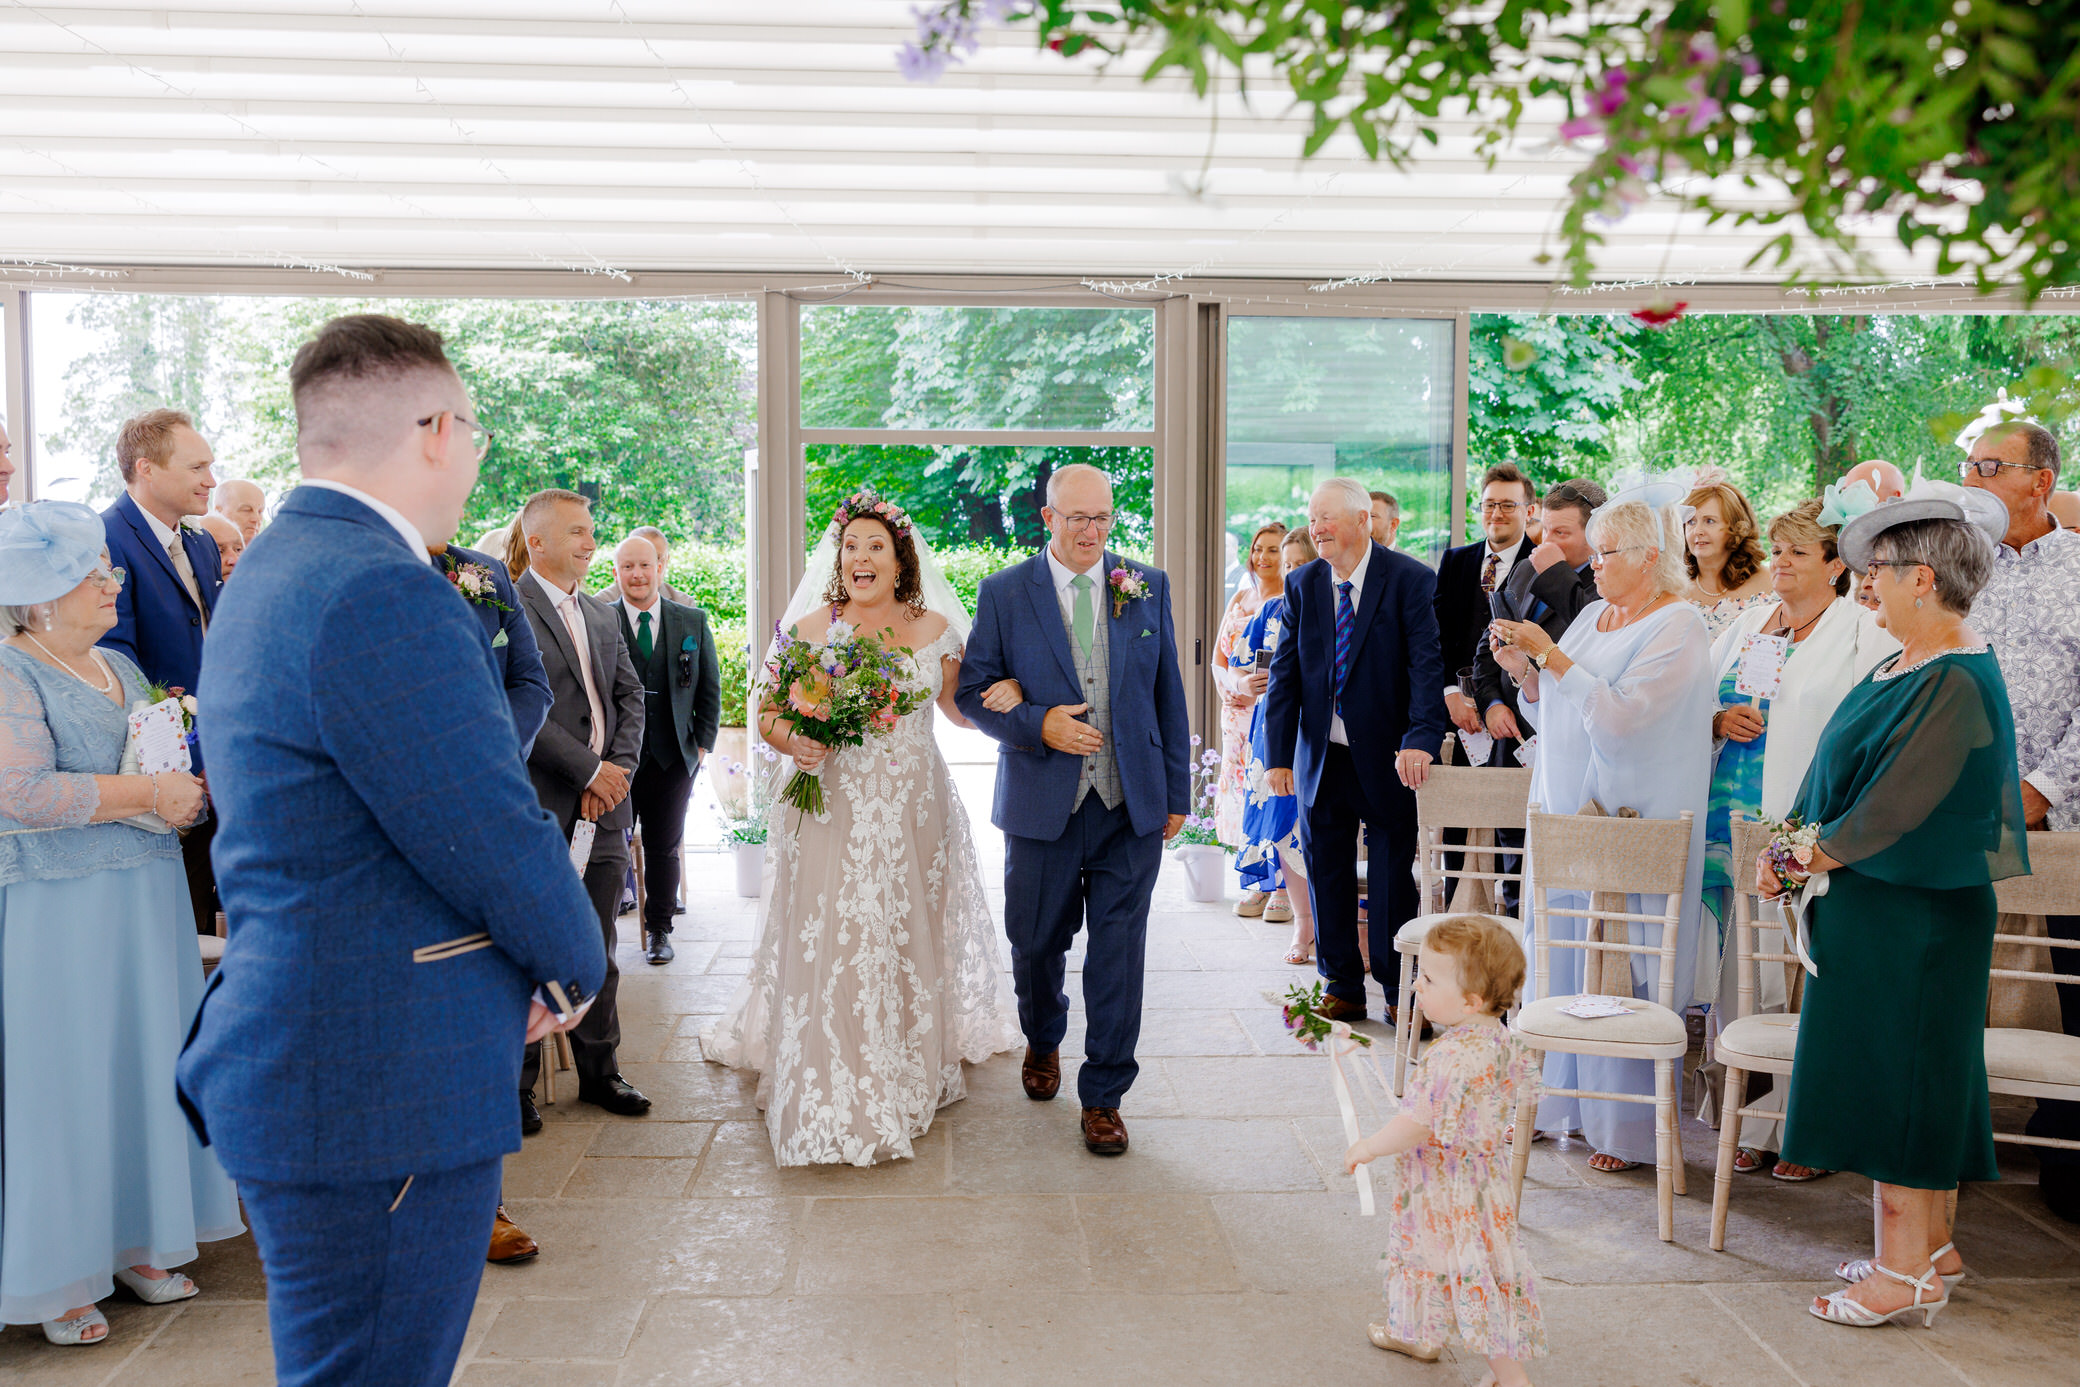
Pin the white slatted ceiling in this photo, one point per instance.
(656, 134)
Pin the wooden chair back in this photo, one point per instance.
(1593, 854)
(1750, 837)
(1467, 798)
(2051, 888)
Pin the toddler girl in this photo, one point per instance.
(1455, 1262)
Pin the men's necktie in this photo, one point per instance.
(178, 552)
(574, 624)
(1086, 623)
(1346, 619)
(1488, 572)
(643, 636)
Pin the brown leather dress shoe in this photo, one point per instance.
(1337, 1009)
(1041, 1074)
(1103, 1132)
(509, 1243)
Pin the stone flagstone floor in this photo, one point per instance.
(1225, 1247)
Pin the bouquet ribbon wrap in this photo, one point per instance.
(1342, 1045)
(1796, 906)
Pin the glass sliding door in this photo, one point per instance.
(1309, 398)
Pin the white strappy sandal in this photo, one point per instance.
(72, 1333)
(167, 1289)
(1838, 1308)
(1862, 1268)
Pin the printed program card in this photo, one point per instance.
(160, 740)
(1592, 1007)
(582, 834)
(1759, 671)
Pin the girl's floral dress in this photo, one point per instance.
(1455, 1261)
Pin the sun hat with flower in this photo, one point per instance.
(46, 548)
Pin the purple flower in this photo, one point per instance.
(919, 65)
(1196, 740)
(1609, 99)
(1580, 128)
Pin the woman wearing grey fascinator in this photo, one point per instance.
(99, 973)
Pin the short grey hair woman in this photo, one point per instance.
(1621, 704)
(99, 974)
(1918, 802)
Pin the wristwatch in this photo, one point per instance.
(1538, 661)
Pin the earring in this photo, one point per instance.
(47, 621)
(1917, 604)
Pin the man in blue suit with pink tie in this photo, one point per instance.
(390, 879)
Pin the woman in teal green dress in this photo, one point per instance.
(1917, 799)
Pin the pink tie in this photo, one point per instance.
(568, 609)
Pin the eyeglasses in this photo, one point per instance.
(1501, 507)
(1870, 570)
(1990, 467)
(106, 578)
(1101, 523)
(1599, 557)
(479, 436)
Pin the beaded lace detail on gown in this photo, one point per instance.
(878, 969)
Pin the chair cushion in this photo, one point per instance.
(1767, 1039)
(1409, 938)
(2032, 1057)
(1649, 1025)
(212, 948)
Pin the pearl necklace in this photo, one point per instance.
(108, 674)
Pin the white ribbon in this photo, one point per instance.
(1341, 1043)
(1792, 905)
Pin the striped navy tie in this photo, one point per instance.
(1345, 620)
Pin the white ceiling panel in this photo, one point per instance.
(641, 135)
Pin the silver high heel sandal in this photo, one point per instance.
(1861, 1268)
(1839, 1309)
(167, 1289)
(72, 1332)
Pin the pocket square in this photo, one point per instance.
(1146, 633)
(686, 644)
(500, 639)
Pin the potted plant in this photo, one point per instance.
(1198, 845)
(743, 817)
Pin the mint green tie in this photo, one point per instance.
(1086, 625)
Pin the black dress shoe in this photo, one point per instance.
(530, 1115)
(657, 945)
(614, 1093)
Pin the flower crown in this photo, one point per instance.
(868, 503)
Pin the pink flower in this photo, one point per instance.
(1580, 128)
(1609, 99)
(881, 508)
(1804, 855)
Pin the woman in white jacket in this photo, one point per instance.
(1763, 747)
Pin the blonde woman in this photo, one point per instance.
(1264, 581)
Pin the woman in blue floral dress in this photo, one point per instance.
(1270, 859)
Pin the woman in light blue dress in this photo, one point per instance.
(100, 1178)
(1270, 859)
(1623, 709)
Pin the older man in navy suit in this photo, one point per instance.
(174, 573)
(1093, 776)
(389, 876)
(1353, 717)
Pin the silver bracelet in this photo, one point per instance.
(155, 792)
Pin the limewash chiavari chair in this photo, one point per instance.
(2038, 1064)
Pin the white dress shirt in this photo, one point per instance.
(573, 615)
(177, 552)
(406, 530)
(1066, 595)
(654, 611)
(1337, 733)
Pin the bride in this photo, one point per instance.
(877, 970)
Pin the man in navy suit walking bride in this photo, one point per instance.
(1093, 776)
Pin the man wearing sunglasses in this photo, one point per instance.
(2029, 612)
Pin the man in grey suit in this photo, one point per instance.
(675, 656)
(583, 761)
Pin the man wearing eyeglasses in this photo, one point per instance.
(1468, 576)
(2029, 612)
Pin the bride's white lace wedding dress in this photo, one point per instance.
(877, 970)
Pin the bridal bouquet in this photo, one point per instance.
(841, 692)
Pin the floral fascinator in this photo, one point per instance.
(46, 548)
(863, 503)
(1841, 504)
(1927, 499)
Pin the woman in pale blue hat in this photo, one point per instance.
(100, 1179)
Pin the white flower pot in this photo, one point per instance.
(751, 865)
(1205, 868)
(732, 747)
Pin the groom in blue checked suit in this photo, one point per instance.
(1093, 776)
(390, 879)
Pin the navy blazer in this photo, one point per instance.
(1393, 690)
(513, 647)
(394, 890)
(157, 626)
(1019, 634)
